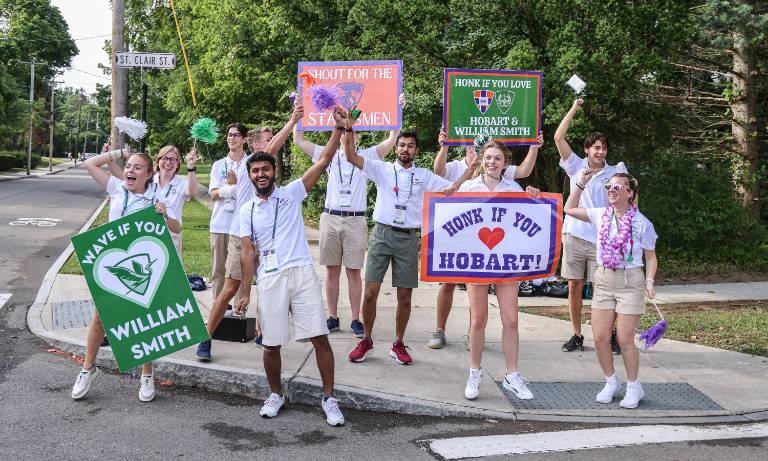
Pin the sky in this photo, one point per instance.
(87, 18)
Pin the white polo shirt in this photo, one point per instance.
(220, 218)
(245, 192)
(593, 196)
(343, 176)
(124, 202)
(643, 235)
(456, 168)
(477, 185)
(290, 242)
(172, 194)
(396, 185)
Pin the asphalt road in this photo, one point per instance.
(38, 420)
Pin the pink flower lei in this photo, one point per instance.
(612, 250)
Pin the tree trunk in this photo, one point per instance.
(744, 123)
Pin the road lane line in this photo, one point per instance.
(588, 439)
(4, 297)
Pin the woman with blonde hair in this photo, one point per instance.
(132, 192)
(624, 237)
(493, 159)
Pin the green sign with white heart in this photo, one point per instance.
(139, 288)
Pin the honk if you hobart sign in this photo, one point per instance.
(490, 237)
(139, 288)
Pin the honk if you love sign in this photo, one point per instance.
(481, 237)
(139, 288)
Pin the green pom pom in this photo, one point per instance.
(204, 129)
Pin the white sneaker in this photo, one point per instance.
(517, 384)
(333, 414)
(272, 405)
(632, 397)
(83, 382)
(147, 389)
(473, 383)
(612, 385)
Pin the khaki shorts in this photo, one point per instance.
(234, 247)
(578, 256)
(219, 244)
(343, 240)
(622, 290)
(297, 291)
(401, 248)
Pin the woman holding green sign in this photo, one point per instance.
(133, 193)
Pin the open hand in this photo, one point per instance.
(160, 207)
(533, 191)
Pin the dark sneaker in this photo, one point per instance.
(104, 342)
(399, 353)
(461, 286)
(576, 342)
(204, 351)
(555, 289)
(491, 289)
(615, 348)
(525, 289)
(362, 350)
(333, 324)
(357, 328)
(258, 340)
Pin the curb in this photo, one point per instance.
(302, 390)
(16, 177)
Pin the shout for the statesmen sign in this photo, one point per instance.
(502, 104)
(139, 288)
(482, 237)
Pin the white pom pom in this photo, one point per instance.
(136, 129)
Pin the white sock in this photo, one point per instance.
(635, 383)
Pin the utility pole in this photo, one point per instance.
(119, 74)
(87, 127)
(51, 126)
(31, 113)
(77, 132)
(97, 130)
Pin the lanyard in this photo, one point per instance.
(235, 166)
(274, 224)
(351, 173)
(397, 189)
(126, 205)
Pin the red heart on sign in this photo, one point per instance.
(491, 238)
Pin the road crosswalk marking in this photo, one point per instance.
(4, 297)
(588, 439)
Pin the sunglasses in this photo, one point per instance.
(614, 187)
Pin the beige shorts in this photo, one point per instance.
(343, 240)
(578, 257)
(622, 290)
(234, 247)
(297, 291)
(219, 243)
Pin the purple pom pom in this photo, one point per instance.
(652, 335)
(322, 98)
(292, 97)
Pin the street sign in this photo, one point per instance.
(148, 60)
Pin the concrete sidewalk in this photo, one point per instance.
(37, 172)
(683, 382)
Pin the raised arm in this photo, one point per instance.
(525, 168)
(278, 140)
(192, 184)
(562, 145)
(349, 144)
(317, 169)
(95, 163)
(388, 144)
(571, 207)
(442, 155)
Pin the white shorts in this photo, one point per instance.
(296, 290)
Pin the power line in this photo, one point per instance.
(88, 73)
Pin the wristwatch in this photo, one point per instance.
(192, 169)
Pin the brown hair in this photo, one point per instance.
(596, 136)
(147, 160)
(498, 145)
(161, 153)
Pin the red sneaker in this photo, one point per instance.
(399, 353)
(362, 350)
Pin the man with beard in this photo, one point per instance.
(239, 190)
(286, 280)
(395, 236)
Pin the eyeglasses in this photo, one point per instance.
(614, 187)
(234, 135)
(169, 160)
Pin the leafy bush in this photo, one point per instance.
(10, 160)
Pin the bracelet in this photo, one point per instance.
(649, 280)
(193, 169)
(348, 130)
(580, 185)
(341, 128)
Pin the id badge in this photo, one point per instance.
(269, 259)
(345, 198)
(229, 205)
(399, 214)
